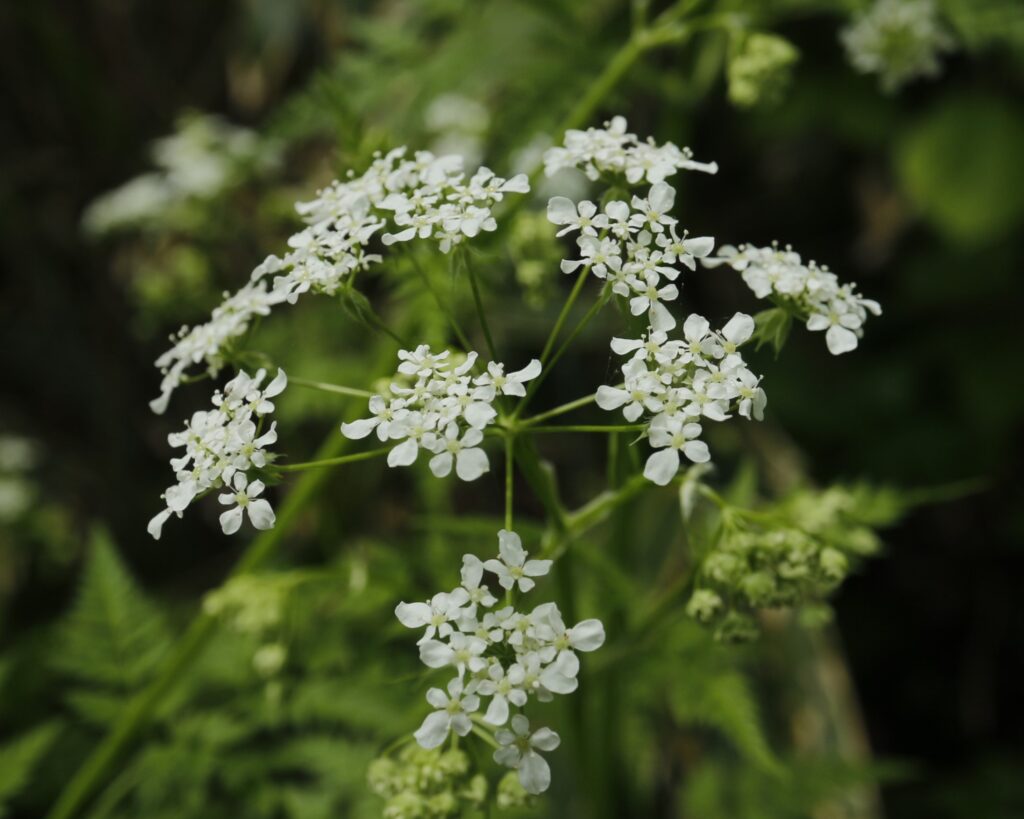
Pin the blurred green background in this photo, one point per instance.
(918, 196)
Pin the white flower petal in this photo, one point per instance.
(434, 730)
(231, 521)
(470, 464)
(534, 773)
(662, 466)
(261, 514)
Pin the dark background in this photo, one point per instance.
(933, 631)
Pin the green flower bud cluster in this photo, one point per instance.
(254, 605)
(426, 784)
(511, 793)
(535, 254)
(754, 569)
(759, 68)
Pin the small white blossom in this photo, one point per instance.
(900, 40)
(220, 447)
(614, 151)
(501, 659)
(520, 751)
(452, 714)
(437, 405)
(513, 567)
(261, 515)
(812, 291)
(677, 382)
(436, 615)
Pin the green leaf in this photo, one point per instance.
(962, 167)
(772, 327)
(723, 701)
(985, 23)
(113, 636)
(19, 758)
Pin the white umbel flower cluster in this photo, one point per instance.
(445, 208)
(502, 655)
(900, 40)
(424, 196)
(440, 407)
(678, 383)
(638, 249)
(613, 151)
(221, 446)
(813, 291)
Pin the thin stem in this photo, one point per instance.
(559, 410)
(564, 314)
(595, 308)
(323, 386)
(478, 301)
(510, 443)
(341, 459)
(483, 733)
(456, 327)
(588, 428)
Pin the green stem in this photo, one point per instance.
(323, 386)
(444, 308)
(588, 428)
(478, 301)
(341, 459)
(595, 308)
(510, 442)
(559, 410)
(88, 778)
(564, 314)
(613, 72)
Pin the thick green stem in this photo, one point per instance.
(616, 69)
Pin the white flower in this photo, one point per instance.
(385, 413)
(582, 216)
(504, 688)
(808, 289)
(472, 574)
(261, 515)
(752, 398)
(437, 615)
(452, 714)
(513, 567)
(652, 213)
(221, 445)
(511, 384)
(684, 250)
(462, 651)
(899, 40)
(643, 391)
(840, 326)
(598, 254)
(470, 461)
(673, 436)
(520, 751)
(649, 299)
(612, 150)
